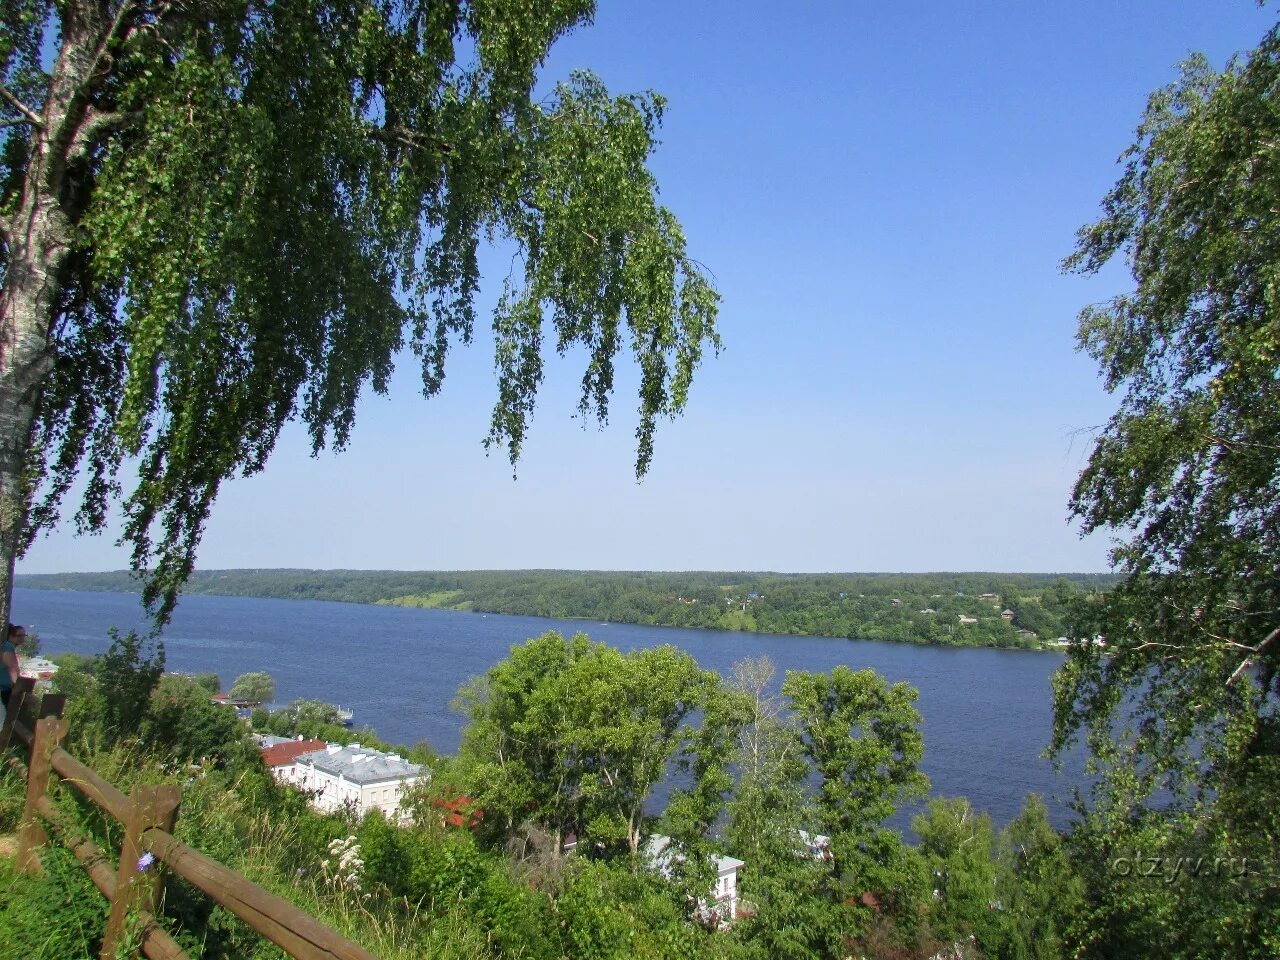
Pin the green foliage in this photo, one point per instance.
(1182, 711)
(862, 737)
(956, 845)
(181, 722)
(266, 203)
(801, 604)
(13, 795)
(210, 683)
(626, 720)
(573, 736)
(255, 687)
(612, 911)
(75, 675)
(785, 882)
(444, 871)
(1189, 459)
(126, 675)
(1038, 887)
(313, 719)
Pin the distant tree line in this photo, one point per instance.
(999, 610)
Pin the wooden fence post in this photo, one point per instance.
(47, 734)
(20, 692)
(138, 883)
(52, 705)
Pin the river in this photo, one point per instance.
(987, 713)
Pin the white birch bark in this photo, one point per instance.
(38, 236)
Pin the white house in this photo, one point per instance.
(723, 902)
(280, 754)
(359, 777)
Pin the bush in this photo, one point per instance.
(182, 723)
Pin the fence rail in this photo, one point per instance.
(148, 815)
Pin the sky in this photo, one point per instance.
(883, 194)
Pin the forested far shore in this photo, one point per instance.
(1026, 610)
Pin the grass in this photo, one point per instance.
(61, 915)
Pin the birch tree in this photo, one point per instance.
(1181, 709)
(218, 216)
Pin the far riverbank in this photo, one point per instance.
(995, 610)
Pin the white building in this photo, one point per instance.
(817, 846)
(280, 754)
(723, 902)
(37, 668)
(358, 777)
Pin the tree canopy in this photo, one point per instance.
(574, 735)
(1181, 708)
(1189, 461)
(218, 217)
(256, 686)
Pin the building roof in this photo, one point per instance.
(359, 764)
(283, 754)
(461, 812)
(660, 857)
(38, 668)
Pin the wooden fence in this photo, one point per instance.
(148, 815)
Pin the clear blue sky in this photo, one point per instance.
(883, 193)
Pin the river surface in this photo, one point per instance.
(987, 713)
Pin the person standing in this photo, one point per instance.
(9, 661)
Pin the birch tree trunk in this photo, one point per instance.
(38, 235)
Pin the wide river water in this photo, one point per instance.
(987, 713)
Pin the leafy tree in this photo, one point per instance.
(210, 683)
(1184, 705)
(217, 217)
(256, 687)
(313, 719)
(956, 844)
(862, 736)
(574, 735)
(125, 679)
(613, 911)
(703, 768)
(1040, 892)
(785, 882)
(181, 722)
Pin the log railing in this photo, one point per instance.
(148, 815)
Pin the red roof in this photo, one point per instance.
(283, 754)
(461, 812)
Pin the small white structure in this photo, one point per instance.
(37, 668)
(815, 845)
(359, 777)
(723, 903)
